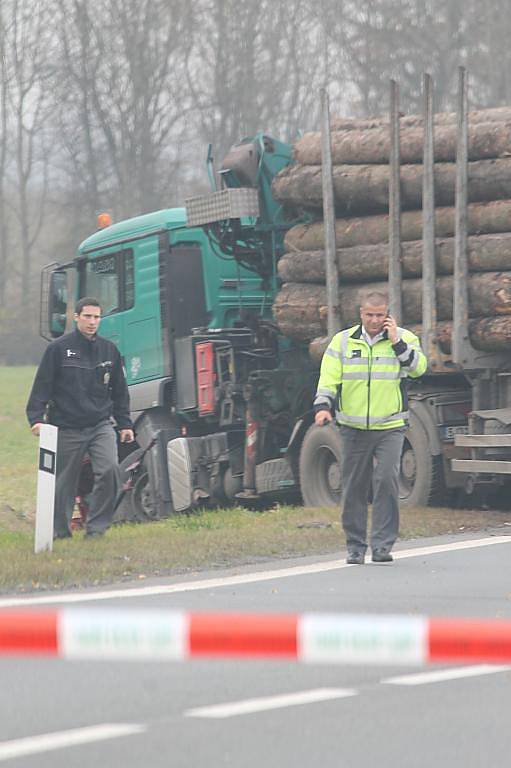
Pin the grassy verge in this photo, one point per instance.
(18, 447)
(203, 540)
(178, 545)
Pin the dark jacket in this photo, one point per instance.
(83, 382)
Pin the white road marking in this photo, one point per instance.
(444, 675)
(242, 578)
(46, 742)
(249, 706)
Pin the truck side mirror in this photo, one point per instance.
(57, 304)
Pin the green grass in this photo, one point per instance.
(181, 544)
(18, 447)
(208, 539)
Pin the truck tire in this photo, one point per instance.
(320, 467)
(421, 479)
(274, 476)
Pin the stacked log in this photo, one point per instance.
(300, 306)
(360, 153)
(492, 217)
(364, 263)
(358, 147)
(365, 188)
(492, 115)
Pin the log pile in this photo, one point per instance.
(360, 154)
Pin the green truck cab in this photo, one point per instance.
(186, 294)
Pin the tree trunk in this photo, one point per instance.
(485, 141)
(493, 115)
(487, 334)
(483, 218)
(365, 263)
(300, 308)
(362, 189)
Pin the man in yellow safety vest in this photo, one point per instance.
(363, 380)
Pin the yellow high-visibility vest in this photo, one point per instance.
(367, 384)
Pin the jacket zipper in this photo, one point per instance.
(369, 384)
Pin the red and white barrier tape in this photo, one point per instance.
(310, 637)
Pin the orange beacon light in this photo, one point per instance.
(104, 220)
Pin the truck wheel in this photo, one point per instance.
(320, 467)
(421, 474)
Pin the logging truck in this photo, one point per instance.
(221, 388)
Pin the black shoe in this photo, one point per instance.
(382, 556)
(355, 558)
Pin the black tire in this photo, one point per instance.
(124, 512)
(320, 467)
(421, 480)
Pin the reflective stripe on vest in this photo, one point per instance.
(364, 375)
(347, 418)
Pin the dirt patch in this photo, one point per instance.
(433, 521)
(14, 521)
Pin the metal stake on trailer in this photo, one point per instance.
(429, 307)
(331, 271)
(460, 339)
(395, 271)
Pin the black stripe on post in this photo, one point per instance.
(47, 461)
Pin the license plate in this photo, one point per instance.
(449, 432)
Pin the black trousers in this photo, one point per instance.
(100, 444)
(371, 456)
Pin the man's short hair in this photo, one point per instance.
(87, 301)
(375, 299)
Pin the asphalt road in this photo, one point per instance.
(60, 713)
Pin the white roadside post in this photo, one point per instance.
(46, 488)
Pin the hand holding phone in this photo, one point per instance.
(390, 325)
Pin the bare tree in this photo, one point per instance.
(123, 109)
(488, 52)
(4, 82)
(78, 68)
(381, 39)
(27, 51)
(255, 66)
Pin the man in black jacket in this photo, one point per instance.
(79, 386)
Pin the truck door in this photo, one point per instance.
(145, 351)
(184, 290)
(127, 284)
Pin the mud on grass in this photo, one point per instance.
(204, 540)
